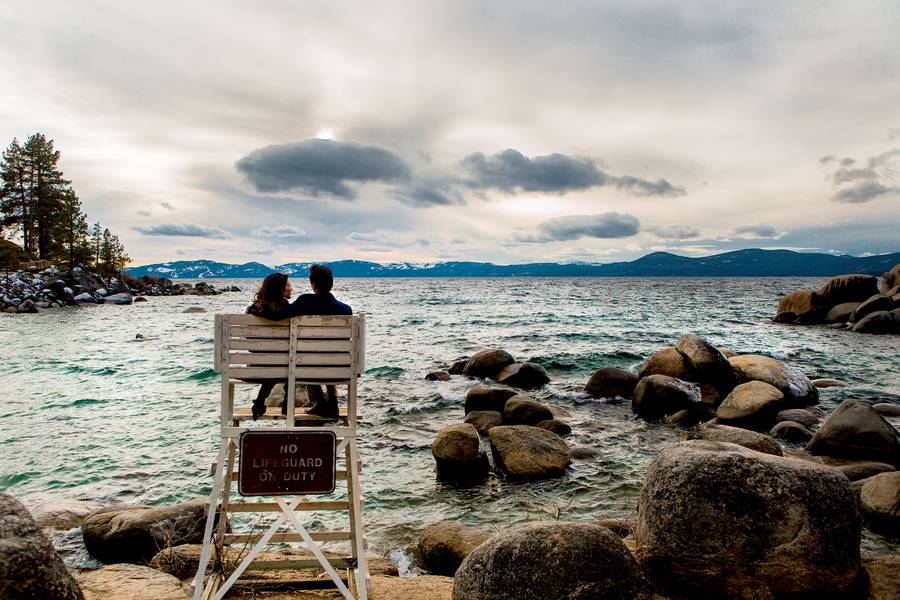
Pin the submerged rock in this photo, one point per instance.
(551, 560)
(656, 396)
(855, 430)
(438, 376)
(610, 382)
(457, 367)
(524, 410)
(526, 452)
(828, 383)
(482, 397)
(458, 454)
(526, 376)
(487, 363)
(442, 547)
(717, 520)
(556, 426)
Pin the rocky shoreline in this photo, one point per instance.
(30, 291)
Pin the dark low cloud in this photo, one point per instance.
(279, 232)
(675, 232)
(606, 226)
(430, 189)
(754, 232)
(644, 187)
(183, 230)
(856, 185)
(864, 191)
(167, 205)
(321, 167)
(383, 241)
(846, 175)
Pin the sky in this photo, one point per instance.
(519, 131)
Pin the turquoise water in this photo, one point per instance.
(89, 414)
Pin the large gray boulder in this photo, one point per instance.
(610, 382)
(551, 560)
(487, 363)
(458, 453)
(135, 533)
(880, 497)
(657, 396)
(526, 376)
(442, 547)
(29, 566)
(482, 397)
(855, 430)
(798, 390)
(717, 520)
(526, 452)
(751, 403)
(707, 362)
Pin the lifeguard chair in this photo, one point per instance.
(290, 461)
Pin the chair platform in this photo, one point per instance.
(273, 413)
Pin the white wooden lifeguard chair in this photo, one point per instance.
(290, 461)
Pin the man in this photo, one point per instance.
(321, 302)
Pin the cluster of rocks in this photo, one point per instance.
(522, 433)
(847, 302)
(30, 291)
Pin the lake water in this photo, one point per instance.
(89, 414)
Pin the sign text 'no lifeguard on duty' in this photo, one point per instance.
(278, 463)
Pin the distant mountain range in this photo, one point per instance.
(741, 263)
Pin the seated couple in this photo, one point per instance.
(273, 302)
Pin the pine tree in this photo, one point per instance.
(70, 234)
(15, 198)
(96, 241)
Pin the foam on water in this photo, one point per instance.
(87, 414)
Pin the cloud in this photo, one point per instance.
(893, 134)
(184, 230)
(279, 231)
(383, 241)
(320, 167)
(167, 206)
(144, 213)
(754, 232)
(430, 189)
(675, 232)
(606, 225)
(845, 175)
(643, 187)
(864, 191)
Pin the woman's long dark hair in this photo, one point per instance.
(271, 292)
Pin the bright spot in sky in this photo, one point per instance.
(325, 134)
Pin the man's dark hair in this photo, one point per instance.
(321, 277)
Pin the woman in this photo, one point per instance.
(272, 301)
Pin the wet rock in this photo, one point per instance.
(438, 376)
(803, 303)
(863, 470)
(656, 396)
(841, 313)
(29, 565)
(139, 299)
(487, 363)
(610, 382)
(526, 376)
(683, 418)
(891, 279)
(706, 362)
(458, 454)
(742, 437)
(483, 397)
(880, 499)
(194, 309)
(526, 452)
(130, 582)
(881, 577)
(458, 366)
(879, 323)
(786, 316)
(134, 534)
(582, 452)
(556, 426)
(544, 560)
(797, 415)
(524, 410)
(84, 297)
(848, 288)
(709, 396)
(828, 383)
(854, 430)
(754, 402)
(442, 547)
(876, 303)
(621, 527)
(667, 361)
(62, 514)
(484, 420)
(717, 520)
(26, 306)
(798, 390)
(887, 409)
(120, 298)
(792, 432)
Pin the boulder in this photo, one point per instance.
(880, 499)
(524, 410)
(828, 383)
(487, 363)
(484, 420)
(26, 306)
(610, 382)
(656, 396)
(792, 432)
(706, 362)
(138, 299)
(879, 323)
(89, 281)
(438, 376)
(526, 452)
(482, 397)
(84, 297)
(683, 418)
(458, 454)
(716, 520)
(442, 547)
(754, 402)
(556, 426)
(887, 409)
(797, 415)
(798, 390)
(848, 288)
(841, 313)
(667, 361)
(551, 559)
(62, 515)
(135, 533)
(582, 452)
(29, 565)
(891, 279)
(709, 395)
(130, 582)
(855, 430)
(784, 317)
(877, 303)
(526, 376)
(803, 303)
(194, 309)
(863, 470)
(882, 577)
(457, 367)
(120, 298)
(742, 437)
